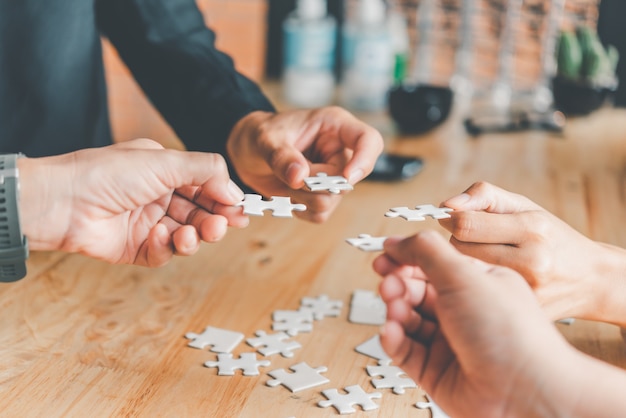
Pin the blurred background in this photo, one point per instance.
(502, 64)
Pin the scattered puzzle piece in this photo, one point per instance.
(292, 322)
(566, 321)
(392, 377)
(247, 362)
(303, 377)
(367, 242)
(273, 344)
(435, 410)
(419, 213)
(355, 395)
(333, 184)
(372, 348)
(321, 306)
(223, 341)
(367, 308)
(253, 204)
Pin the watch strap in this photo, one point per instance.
(13, 245)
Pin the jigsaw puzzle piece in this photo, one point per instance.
(372, 348)
(292, 322)
(392, 377)
(273, 344)
(419, 213)
(355, 395)
(303, 377)
(321, 306)
(435, 410)
(332, 184)
(222, 340)
(366, 242)
(367, 308)
(247, 362)
(281, 207)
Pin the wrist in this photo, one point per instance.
(609, 281)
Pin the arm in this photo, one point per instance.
(133, 203)
(571, 274)
(474, 337)
(171, 53)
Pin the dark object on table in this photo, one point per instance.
(391, 167)
(418, 109)
(577, 99)
(553, 121)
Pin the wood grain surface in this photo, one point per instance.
(80, 338)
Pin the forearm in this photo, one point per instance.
(610, 286)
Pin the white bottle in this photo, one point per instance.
(368, 58)
(310, 38)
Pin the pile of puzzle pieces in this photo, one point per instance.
(365, 308)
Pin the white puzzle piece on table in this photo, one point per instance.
(435, 410)
(292, 322)
(419, 213)
(321, 306)
(372, 348)
(281, 207)
(333, 184)
(367, 242)
(247, 362)
(222, 340)
(271, 344)
(303, 377)
(367, 308)
(355, 395)
(392, 377)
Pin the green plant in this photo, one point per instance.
(582, 58)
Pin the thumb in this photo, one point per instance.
(483, 196)
(287, 163)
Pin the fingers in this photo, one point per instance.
(483, 196)
(490, 228)
(407, 354)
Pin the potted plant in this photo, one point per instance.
(585, 72)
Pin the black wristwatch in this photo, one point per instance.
(13, 245)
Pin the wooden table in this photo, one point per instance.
(83, 338)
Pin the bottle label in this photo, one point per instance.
(309, 48)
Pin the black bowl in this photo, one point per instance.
(418, 109)
(578, 99)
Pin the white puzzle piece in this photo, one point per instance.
(435, 410)
(392, 377)
(303, 377)
(271, 344)
(366, 242)
(292, 322)
(566, 321)
(372, 348)
(247, 362)
(222, 340)
(281, 207)
(333, 184)
(321, 306)
(355, 395)
(419, 213)
(367, 308)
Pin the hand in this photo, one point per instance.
(474, 336)
(273, 153)
(571, 275)
(132, 202)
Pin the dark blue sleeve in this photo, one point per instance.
(172, 55)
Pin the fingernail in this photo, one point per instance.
(292, 170)
(235, 191)
(459, 200)
(355, 176)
